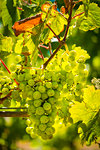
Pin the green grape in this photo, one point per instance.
(30, 94)
(15, 94)
(22, 86)
(44, 136)
(37, 102)
(28, 122)
(44, 119)
(13, 75)
(50, 130)
(42, 127)
(42, 89)
(18, 58)
(57, 94)
(31, 109)
(28, 76)
(36, 95)
(71, 58)
(1, 73)
(54, 85)
(18, 99)
(55, 77)
(73, 53)
(28, 88)
(47, 106)
(81, 67)
(20, 77)
(48, 84)
(81, 59)
(50, 92)
(51, 100)
(13, 67)
(48, 75)
(2, 81)
(44, 96)
(5, 91)
(6, 103)
(68, 68)
(60, 87)
(33, 135)
(39, 111)
(31, 82)
(28, 130)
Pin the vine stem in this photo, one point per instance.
(55, 52)
(53, 32)
(13, 114)
(64, 39)
(8, 70)
(69, 20)
(78, 15)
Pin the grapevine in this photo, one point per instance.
(55, 86)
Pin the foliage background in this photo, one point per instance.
(12, 130)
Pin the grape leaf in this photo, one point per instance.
(86, 110)
(6, 18)
(6, 43)
(90, 22)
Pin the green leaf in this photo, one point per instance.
(56, 22)
(92, 20)
(6, 18)
(6, 43)
(88, 109)
(19, 46)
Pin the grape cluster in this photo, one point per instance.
(5, 89)
(43, 91)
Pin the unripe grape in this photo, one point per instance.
(18, 58)
(44, 96)
(48, 84)
(47, 106)
(39, 111)
(28, 122)
(13, 67)
(50, 130)
(6, 103)
(30, 94)
(28, 130)
(42, 127)
(73, 53)
(50, 92)
(42, 89)
(59, 87)
(71, 58)
(36, 95)
(54, 85)
(68, 68)
(5, 91)
(20, 77)
(37, 102)
(44, 119)
(1, 73)
(33, 135)
(31, 82)
(51, 100)
(31, 109)
(81, 67)
(48, 75)
(81, 59)
(28, 76)
(57, 94)
(22, 86)
(28, 88)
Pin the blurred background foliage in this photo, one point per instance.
(12, 130)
